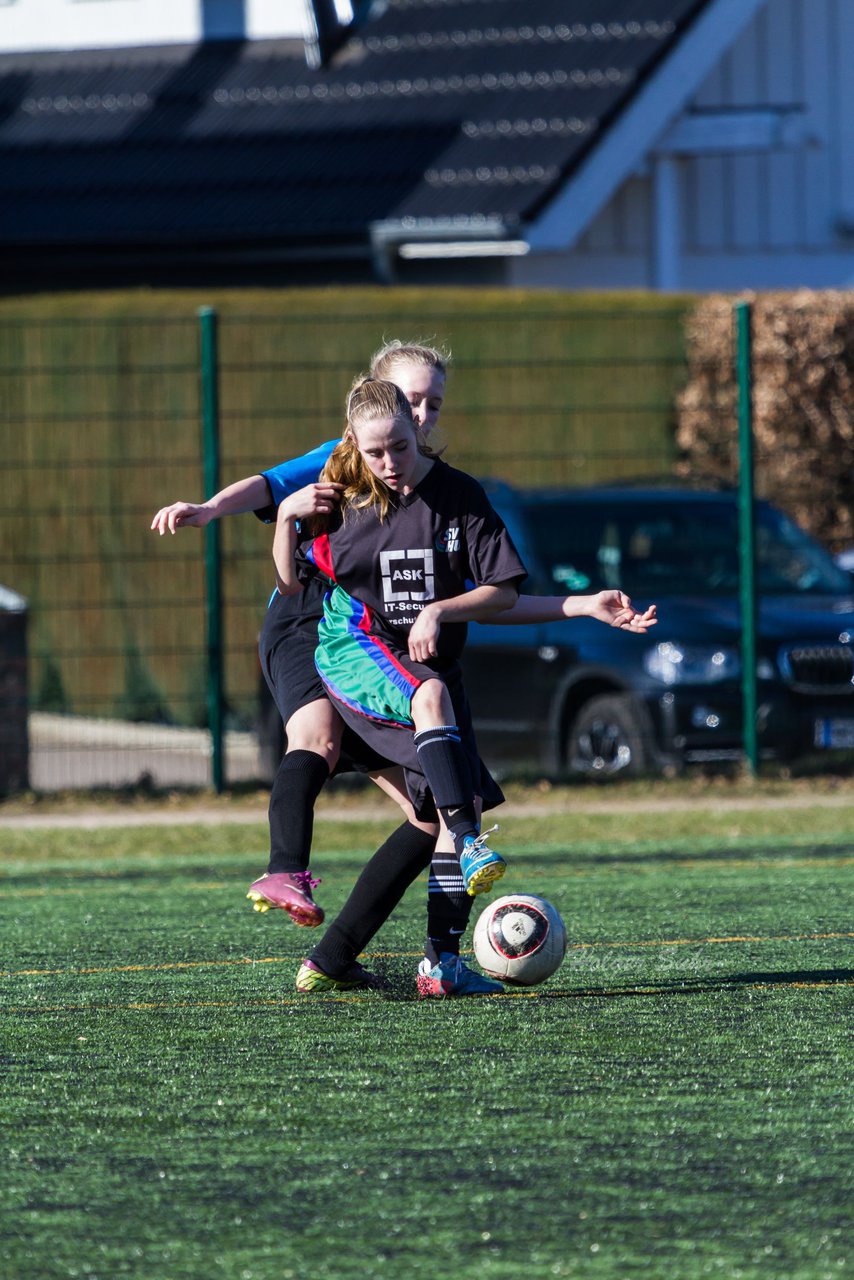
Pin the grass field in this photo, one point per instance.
(674, 1102)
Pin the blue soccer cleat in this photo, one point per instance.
(480, 865)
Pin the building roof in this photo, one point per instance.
(453, 113)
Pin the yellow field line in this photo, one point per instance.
(696, 942)
(358, 997)
(402, 955)
(143, 968)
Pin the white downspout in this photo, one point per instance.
(666, 223)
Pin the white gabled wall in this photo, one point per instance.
(772, 220)
(41, 25)
(277, 19)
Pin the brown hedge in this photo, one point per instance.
(803, 403)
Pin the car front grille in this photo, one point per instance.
(818, 666)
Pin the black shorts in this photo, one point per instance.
(398, 744)
(286, 650)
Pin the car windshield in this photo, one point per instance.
(674, 547)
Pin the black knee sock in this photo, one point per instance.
(374, 896)
(296, 786)
(441, 756)
(448, 907)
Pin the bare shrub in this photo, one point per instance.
(803, 403)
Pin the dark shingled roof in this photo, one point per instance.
(446, 110)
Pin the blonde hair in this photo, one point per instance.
(370, 399)
(398, 352)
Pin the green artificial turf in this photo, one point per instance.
(674, 1102)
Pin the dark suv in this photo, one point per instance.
(578, 696)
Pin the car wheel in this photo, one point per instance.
(607, 738)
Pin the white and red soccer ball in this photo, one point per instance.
(520, 939)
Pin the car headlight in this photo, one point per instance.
(688, 664)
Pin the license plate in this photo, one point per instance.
(834, 734)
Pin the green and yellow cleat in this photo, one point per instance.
(259, 902)
(310, 977)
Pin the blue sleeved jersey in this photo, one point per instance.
(296, 473)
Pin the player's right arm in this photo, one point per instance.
(313, 500)
(243, 495)
(261, 493)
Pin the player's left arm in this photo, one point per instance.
(614, 608)
(611, 607)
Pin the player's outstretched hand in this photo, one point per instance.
(616, 609)
(179, 514)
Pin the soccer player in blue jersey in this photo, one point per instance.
(315, 732)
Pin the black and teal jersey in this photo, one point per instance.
(435, 543)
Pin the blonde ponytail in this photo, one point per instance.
(369, 399)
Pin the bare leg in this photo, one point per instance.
(432, 706)
(392, 782)
(316, 727)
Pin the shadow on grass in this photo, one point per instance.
(400, 989)
(550, 856)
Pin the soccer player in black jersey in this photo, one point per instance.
(314, 728)
(413, 553)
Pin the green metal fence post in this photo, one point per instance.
(747, 533)
(209, 376)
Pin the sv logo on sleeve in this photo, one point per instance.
(407, 575)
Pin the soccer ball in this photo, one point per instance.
(520, 939)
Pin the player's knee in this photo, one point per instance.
(429, 828)
(327, 745)
(431, 704)
(324, 747)
(315, 728)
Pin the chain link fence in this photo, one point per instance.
(102, 425)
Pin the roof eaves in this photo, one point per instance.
(388, 234)
(390, 229)
(620, 148)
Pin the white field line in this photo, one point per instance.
(330, 811)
